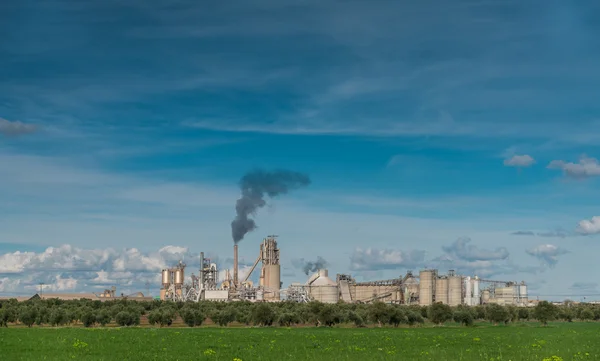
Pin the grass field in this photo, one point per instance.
(564, 341)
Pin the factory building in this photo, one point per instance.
(425, 289)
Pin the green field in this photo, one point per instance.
(564, 341)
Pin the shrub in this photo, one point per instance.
(3, 318)
(192, 317)
(263, 314)
(379, 313)
(523, 313)
(125, 318)
(27, 316)
(288, 318)
(397, 316)
(413, 318)
(545, 311)
(586, 314)
(439, 313)
(58, 317)
(464, 317)
(329, 315)
(496, 313)
(103, 317)
(88, 318)
(356, 318)
(223, 317)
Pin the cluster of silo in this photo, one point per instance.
(172, 281)
(472, 296)
(436, 288)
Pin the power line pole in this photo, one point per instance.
(148, 288)
(41, 289)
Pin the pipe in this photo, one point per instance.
(253, 267)
(235, 266)
(201, 285)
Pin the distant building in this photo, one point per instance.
(107, 295)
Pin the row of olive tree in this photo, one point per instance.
(161, 313)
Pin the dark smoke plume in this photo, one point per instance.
(255, 186)
(320, 263)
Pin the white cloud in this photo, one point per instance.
(468, 252)
(8, 284)
(469, 259)
(72, 268)
(584, 286)
(589, 226)
(372, 259)
(547, 253)
(15, 128)
(585, 168)
(519, 161)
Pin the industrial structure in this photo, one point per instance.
(425, 289)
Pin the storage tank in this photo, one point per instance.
(454, 290)
(476, 295)
(468, 291)
(523, 293)
(323, 289)
(485, 296)
(426, 287)
(166, 280)
(441, 290)
(272, 281)
(179, 276)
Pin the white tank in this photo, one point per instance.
(476, 295)
(468, 292)
(165, 277)
(523, 293)
(179, 276)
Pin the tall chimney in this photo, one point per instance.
(235, 266)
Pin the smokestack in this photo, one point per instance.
(235, 265)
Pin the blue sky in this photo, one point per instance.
(431, 131)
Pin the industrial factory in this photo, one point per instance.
(423, 289)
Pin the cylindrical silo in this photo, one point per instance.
(426, 285)
(165, 278)
(468, 292)
(179, 276)
(476, 295)
(272, 281)
(523, 293)
(441, 290)
(454, 290)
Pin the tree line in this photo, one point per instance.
(90, 313)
